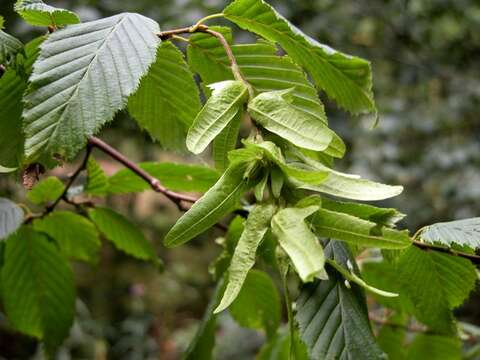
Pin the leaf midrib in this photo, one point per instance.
(87, 72)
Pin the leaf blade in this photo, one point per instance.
(301, 245)
(344, 78)
(157, 106)
(224, 103)
(38, 291)
(211, 207)
(71, 95)
(256, 226)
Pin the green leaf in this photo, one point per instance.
(203, 343)
(75, 235)
(301, 245)
(261, 66)
(346, 79)
(226, 141)
(207, 57)
(384, 275)
(37, 288)
(276, 180)
(260, 188)
(381, 216)
(348, 186)
(332, 318)
(97, 181)
(123, 234)
(176, 177)
(391, 337)
(225, 102)
(158, 107)
(36, 12)
(435, 283)
(79, 81)
(429, 346)
(12, 86)
(341, 226)
(257, 305)
(211, 207)
(11, 218)
(9, 45)
(243, 259)
(464, 232)
(48, 189)
(274, 111)
(274, 154)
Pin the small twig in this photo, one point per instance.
(204, 19)
(177, 198)
(475, 259)
(199, 27)
(70, 182)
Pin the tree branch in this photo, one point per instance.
(177, 198)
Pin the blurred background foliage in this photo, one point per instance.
(425, 56)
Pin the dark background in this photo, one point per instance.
(425, 56)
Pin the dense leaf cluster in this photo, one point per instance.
(61, 89)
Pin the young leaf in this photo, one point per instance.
(301, 245)
(261, 66)
(243, 259)
(36, 12)
(381, 216)
(46, 190)
(75, 235)
(344, 78)
(258, 304)
(176, 177)
(274, 111)
(347, 185)
(341, 226)
(158, 106)
(274, 154)
(259, 190)
(11, 217)
(97, 181)
(37, 288)
(226, 141)
(276, 180)
(435, 283)
(333, 319)
(79, 82)
(9, 45)
(123, 234)
(464, 232)
(211, 207)
(12, 86)
(225, 102)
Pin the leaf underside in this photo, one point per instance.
(333, 319)
(83, 76)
